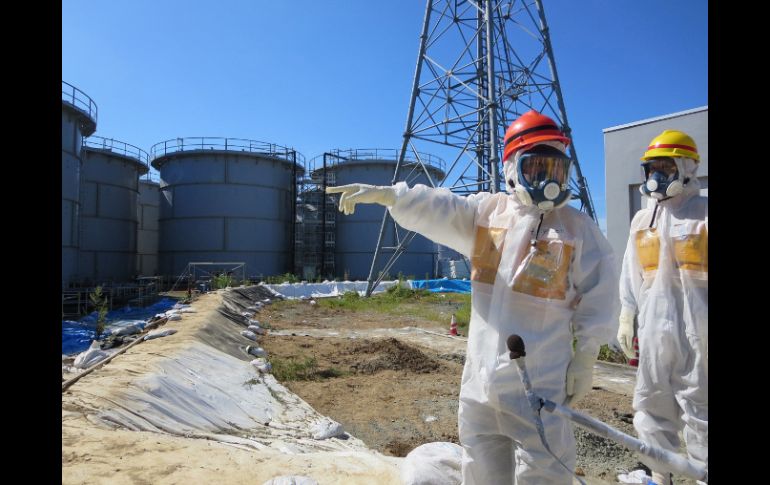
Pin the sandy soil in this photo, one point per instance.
(409, 397)
(391, 382)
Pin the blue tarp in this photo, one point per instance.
(76, 336)
(443, 285)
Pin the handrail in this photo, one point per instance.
(113, 145)
(355, 154)
(176, 145)
(79, 100)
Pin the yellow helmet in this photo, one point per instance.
(672, 143)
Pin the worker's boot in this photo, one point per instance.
(661, 478)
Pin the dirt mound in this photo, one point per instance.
(453, 357)
(391, 354)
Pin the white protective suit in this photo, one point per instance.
(665, 279)
(564, 286)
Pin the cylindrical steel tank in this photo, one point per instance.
(109, 189)
(226, 200)
(148, 208)
(78, 119)
(452, 264)
(356, 238)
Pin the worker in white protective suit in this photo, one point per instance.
(540, 269)
(664, 279)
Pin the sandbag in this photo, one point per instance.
(438, 463)
(89, 357)
(326, 428)
(161, 332)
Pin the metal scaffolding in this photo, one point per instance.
(481, 64)
(315, 221)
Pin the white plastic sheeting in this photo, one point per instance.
(89, 357)
(183, 308)
(326, 428)
(175, 312)
(437, 463)
(125, 327)
(325, 289)
(203, 392)
(159, 332)
(636, 476)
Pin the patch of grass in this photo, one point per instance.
(386, 302)
(350, 297)
(608, 355)
(401, 292)
(222, 281)
(441, 306)
(293, 370)
(398, 301)
(304, 369)
(282, 278)
(349, 300)
(279, 305)
(401, 301)
(463, 315)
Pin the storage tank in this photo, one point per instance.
(357, 234)
(452, 264)
(148, 209)
(109, 189)
(226, 200)
(78, 119)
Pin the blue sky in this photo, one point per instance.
(316, 75)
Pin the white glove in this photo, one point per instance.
(353, 194)
(580, 374)
(626, 332)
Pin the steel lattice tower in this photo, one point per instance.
(481, 64)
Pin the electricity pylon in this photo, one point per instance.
(481, 64)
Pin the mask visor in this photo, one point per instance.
(664, 166)
(536, 169)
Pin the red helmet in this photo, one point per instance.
(531, 128)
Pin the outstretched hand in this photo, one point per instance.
(353, 194)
